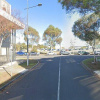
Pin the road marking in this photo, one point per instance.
(58, 93)
(70, 61)
(67, 61)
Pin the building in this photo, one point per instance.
(8, 27)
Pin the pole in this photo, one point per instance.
(11, 48)
(27, 36)
(60, 46)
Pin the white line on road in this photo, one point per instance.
(58, 93)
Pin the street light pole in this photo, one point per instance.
(27, 30)
(27, 37)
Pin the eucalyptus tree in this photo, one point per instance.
(33, 36)
(87, 29)
(52, 36)
(83, 6)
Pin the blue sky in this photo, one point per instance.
(50, 13)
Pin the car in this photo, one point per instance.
(20, 53)
(64, 53)
(97, 52)
(80, 52)
(25, 53)
(33, 53)
(86, 53)
(83, 53)
(51, 53)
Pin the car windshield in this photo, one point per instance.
(48, 49)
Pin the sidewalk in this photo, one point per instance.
(14, 63)
(11, 68)
(16, 69)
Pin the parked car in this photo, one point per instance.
(83, 53)
(80, 52)
(20, 53)
(51, 53)
(25, 53)
(97, 52)
(64, 53)
(86, 53)
(33, 53)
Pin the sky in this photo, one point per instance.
(50, 13)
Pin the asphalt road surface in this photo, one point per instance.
(56, 78)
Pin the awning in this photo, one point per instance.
(12, 21)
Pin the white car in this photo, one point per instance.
(34, 53)
(64, 53)
(51, 53)
(97, 52)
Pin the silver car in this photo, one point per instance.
(64, 53)
(97, 52)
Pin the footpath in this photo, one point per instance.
(12, 69)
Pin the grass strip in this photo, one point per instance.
(94, 66)
(31, 64)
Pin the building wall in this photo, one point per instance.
(6, 47)
(4, 5)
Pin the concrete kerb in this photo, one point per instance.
(90, 70)
(22, 73)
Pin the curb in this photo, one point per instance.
(22, 73)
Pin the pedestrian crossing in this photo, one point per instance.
(70, 61)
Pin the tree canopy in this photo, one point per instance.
(52, 36)
(87, 28)
(83, 6)
(33, 35)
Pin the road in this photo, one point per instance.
(56, 78)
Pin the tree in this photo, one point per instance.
(33, 36)
(52, 36)
(21, 46)
(87, 29)
(83, 6)
(16, 13)
(5, 30)
(41, 46)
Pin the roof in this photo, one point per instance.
(4, 16)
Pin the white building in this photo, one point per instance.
(8, 22)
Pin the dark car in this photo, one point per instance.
(20, 53)
(86, 53)
(81, 52)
